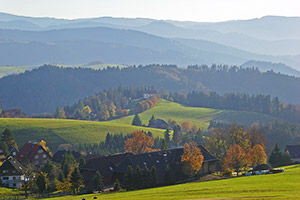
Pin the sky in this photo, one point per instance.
(181, 10)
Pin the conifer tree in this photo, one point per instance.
(167, 136)
(128, 182)
(41, 182)
(76, 180)
(8, 138)
(4, 148)
(152, 122)
(154, 177)
(98, 181)
(167, 177)
(136, 120)
(275, 158)
(164, 145)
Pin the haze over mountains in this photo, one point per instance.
(33, 41)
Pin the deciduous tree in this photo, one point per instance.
(139, 143)
(235, 158)
(257, 156)
(192, 157)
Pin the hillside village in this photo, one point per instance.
(149, 100)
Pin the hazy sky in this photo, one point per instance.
(191, 10)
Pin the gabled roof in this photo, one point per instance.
(106, 164)
(58, 156)
(159, 159)
(29, 150)
(294, 151)
(12, 164)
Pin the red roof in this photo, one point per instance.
(29, 150)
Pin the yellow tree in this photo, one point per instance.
(192, 157)
(257, 156)
(139, 143)
(235, 158)
(43, 144)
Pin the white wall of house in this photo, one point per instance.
(14, 181)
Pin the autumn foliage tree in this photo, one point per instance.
(257, 156)
(235, 158)
(192, 157)
(186, 126)
(139, 143)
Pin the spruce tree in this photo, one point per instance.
(136, 120)
(152, 122)
(167, 136)
(8, 138)
(164, 145)
(98, 181)
(146, 177)
(41, 182)
(128, 182)
(138, 177)
(81, 162)
(4, 148)
(275, 158)
(167, 177)
(154, 177)
(76, 180)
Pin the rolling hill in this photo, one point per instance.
(59, 131)
(271, 186)
(43, 89)
(197, 116)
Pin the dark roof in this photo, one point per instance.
(91, 156)
(172, 156)
(58, 156)
(105, 165)
(294, 151)
(12, 164)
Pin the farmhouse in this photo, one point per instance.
(294, 151)
(12, 173)
(58, 156)
(115, 166)
(106, 165)
(148, 95)
(33, 153)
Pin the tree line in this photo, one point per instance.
(236, 101)
(109, 104)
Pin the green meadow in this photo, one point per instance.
(61, 131)
(8, 70)
(197, 116)
(272, 186)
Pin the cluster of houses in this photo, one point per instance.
(111, 167)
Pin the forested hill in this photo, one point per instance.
(43, 89)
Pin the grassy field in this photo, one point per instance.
(8, 70)
(7, 192)
(273, 186)
(59, 131)
(198, 116)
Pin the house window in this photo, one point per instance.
(5, 178)
(44, 156)
(14, 178)
(4, 171)
(14, 184)
(36, 156)
(40, 151)
(36, 162)
(14, 153)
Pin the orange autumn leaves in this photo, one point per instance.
(192, 157)
(236, 157)
(139, 143)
